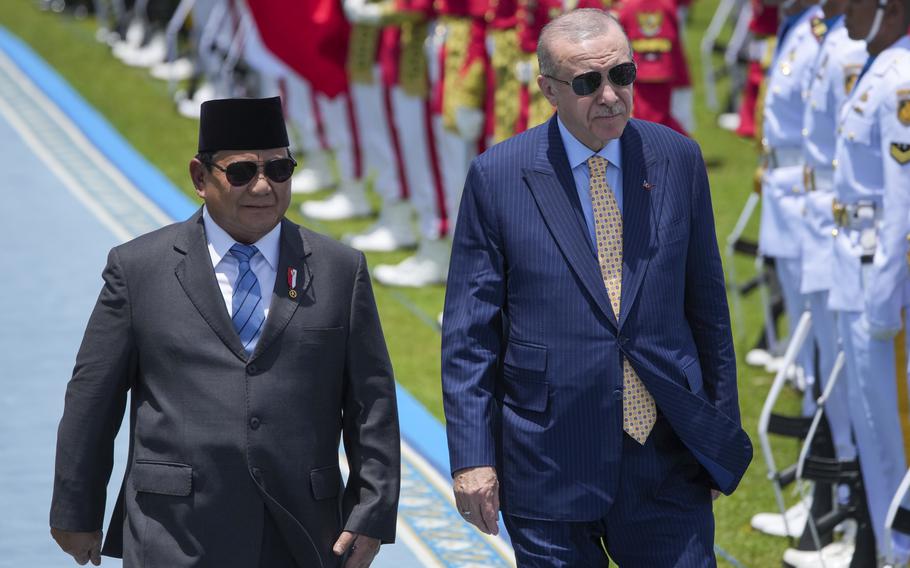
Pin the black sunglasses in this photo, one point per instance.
(621, 75)
(241, 173)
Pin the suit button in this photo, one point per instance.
(624, 340)
(617, 394)
(252, 369)
(254, 423)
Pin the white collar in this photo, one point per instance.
(578, 153)
(220, 242)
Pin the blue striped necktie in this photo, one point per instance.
(246, 304)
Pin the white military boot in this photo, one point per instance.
(392, 231)
(178, 70)
(132, 39)
(315, 174)
(349, 202)
(192, 107)
(150, 54)
(773, 523)
(835, 555)
(430, 265)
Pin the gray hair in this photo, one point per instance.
(575, 27)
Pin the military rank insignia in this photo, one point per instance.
(650, 23)
(851, 76)
(819, 29)
(903, 106)
(900, 152)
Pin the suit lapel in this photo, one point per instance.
(291, 256)
(553, 187)
(643, 188)
(197, 277)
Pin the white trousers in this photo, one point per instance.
(374, 125)
(872, 391)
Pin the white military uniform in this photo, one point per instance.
(834, 72)
(782, 183)
(871, 145)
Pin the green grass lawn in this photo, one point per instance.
(141, 109)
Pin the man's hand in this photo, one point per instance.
(363, 549)
(82, 546)
(477, 497)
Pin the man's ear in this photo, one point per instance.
(546, 87)
(197, 176)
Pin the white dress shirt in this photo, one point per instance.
(578, 155)
(264, 264)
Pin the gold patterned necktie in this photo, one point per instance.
(639, 413)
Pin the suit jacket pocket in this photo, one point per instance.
(325, 482)
(524, 371)
(320, 335)
(693, 376)
(526, 394)
(164, 478)
(526, 356)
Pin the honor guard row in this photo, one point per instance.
(397, 95)
(835, 191)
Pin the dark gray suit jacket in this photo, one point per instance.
(216, 436)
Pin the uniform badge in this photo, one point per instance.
(903, 106)
(819, 28)
(649, 23)
(900, 152)
(851, 76)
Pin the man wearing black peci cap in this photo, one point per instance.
(250, 345)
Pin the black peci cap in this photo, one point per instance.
(242, 124)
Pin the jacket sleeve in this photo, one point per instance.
(370, 420)
(885, 291)
(472, 328)
(706, 300)
(94, 407)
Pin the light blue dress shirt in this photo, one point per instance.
(578, 155)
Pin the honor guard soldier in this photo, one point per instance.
(458, 69)
(782, 177)
(514, 103)
(370, 130)
(763, 28)
(871, 181)
(833, 76)
(376, 47)
(653, 27)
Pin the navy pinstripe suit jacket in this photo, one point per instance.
(531, 350)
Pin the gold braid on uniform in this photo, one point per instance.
(541, 110)
(362, 53)
(412, 62)
(463, 87)
(506, 108)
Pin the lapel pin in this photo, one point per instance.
(647, 185)
(292, 282)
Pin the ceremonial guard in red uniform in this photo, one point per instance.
(458, 68)
(653, 28)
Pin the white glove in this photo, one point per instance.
(469, 122)
(878, 331)
(362, 12)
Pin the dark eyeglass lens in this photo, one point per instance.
(240, 173)
(279, 170)
(586, 83)
(623, 74)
